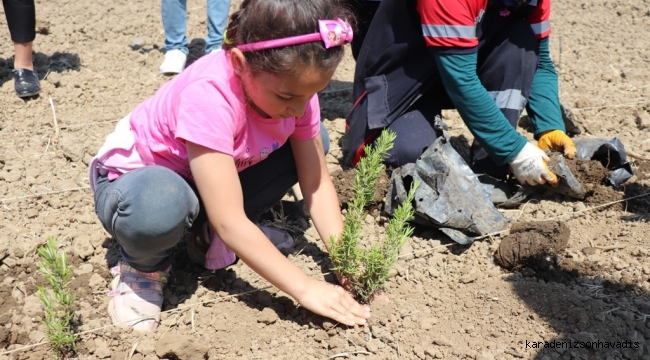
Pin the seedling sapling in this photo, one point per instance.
(57, 300)
(368, 269)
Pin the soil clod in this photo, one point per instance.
(532, 244)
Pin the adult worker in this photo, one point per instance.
(489, 59)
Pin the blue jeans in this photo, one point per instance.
(174, 19)
(149, 210)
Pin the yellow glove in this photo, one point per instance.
(557, 140)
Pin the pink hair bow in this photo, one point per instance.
(332, 32)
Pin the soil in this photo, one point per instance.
(532, 244)
(343, 180)
(591, 174)
(98, 60)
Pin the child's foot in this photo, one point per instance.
(280, 238)
(136, 297)
(210, 251)
(174, 62)
(218, 255)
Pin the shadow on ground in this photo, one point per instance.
(336, 100)
(598, 319)
(43, 64)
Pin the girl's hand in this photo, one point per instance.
(334, 302)
(344, 282)
(347, 285)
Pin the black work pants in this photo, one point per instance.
(21, 18)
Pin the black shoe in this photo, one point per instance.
(26, 83)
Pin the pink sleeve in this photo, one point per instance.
(204, 117)
(308, 126)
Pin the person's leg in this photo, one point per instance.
(414, 129)
(174, 20)
(394, 68)
(21, 19)
(23, 57)
(218, 11)
(147, 211)
(415, 133)
(506, 67)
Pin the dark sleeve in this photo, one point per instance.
(477, 108)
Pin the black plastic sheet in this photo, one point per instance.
(449, 195)
(610, 153)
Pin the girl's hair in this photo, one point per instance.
(259, 20)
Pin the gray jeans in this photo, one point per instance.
(149, 210)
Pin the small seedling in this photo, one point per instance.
(58, 300)
(368, 269)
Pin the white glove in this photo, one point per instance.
(529, 167)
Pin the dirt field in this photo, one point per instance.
(101, 58)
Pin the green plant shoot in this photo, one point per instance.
(57, 302)
(367, 269)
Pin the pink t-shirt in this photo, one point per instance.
(205, 105)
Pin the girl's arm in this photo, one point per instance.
(318, 192)
(317, 188)
(217, 180)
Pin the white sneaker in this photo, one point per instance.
(136, 297)
(174, 62)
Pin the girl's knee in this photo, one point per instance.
(150, 234)
(155, 205)
(160, 190)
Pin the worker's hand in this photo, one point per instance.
(334, 302)
(557, 140)
(529, 167)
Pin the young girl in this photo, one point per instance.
(241, 126)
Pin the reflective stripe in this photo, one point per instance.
(447, 31)
(542, 27)
(508, 99)
(479, 17)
